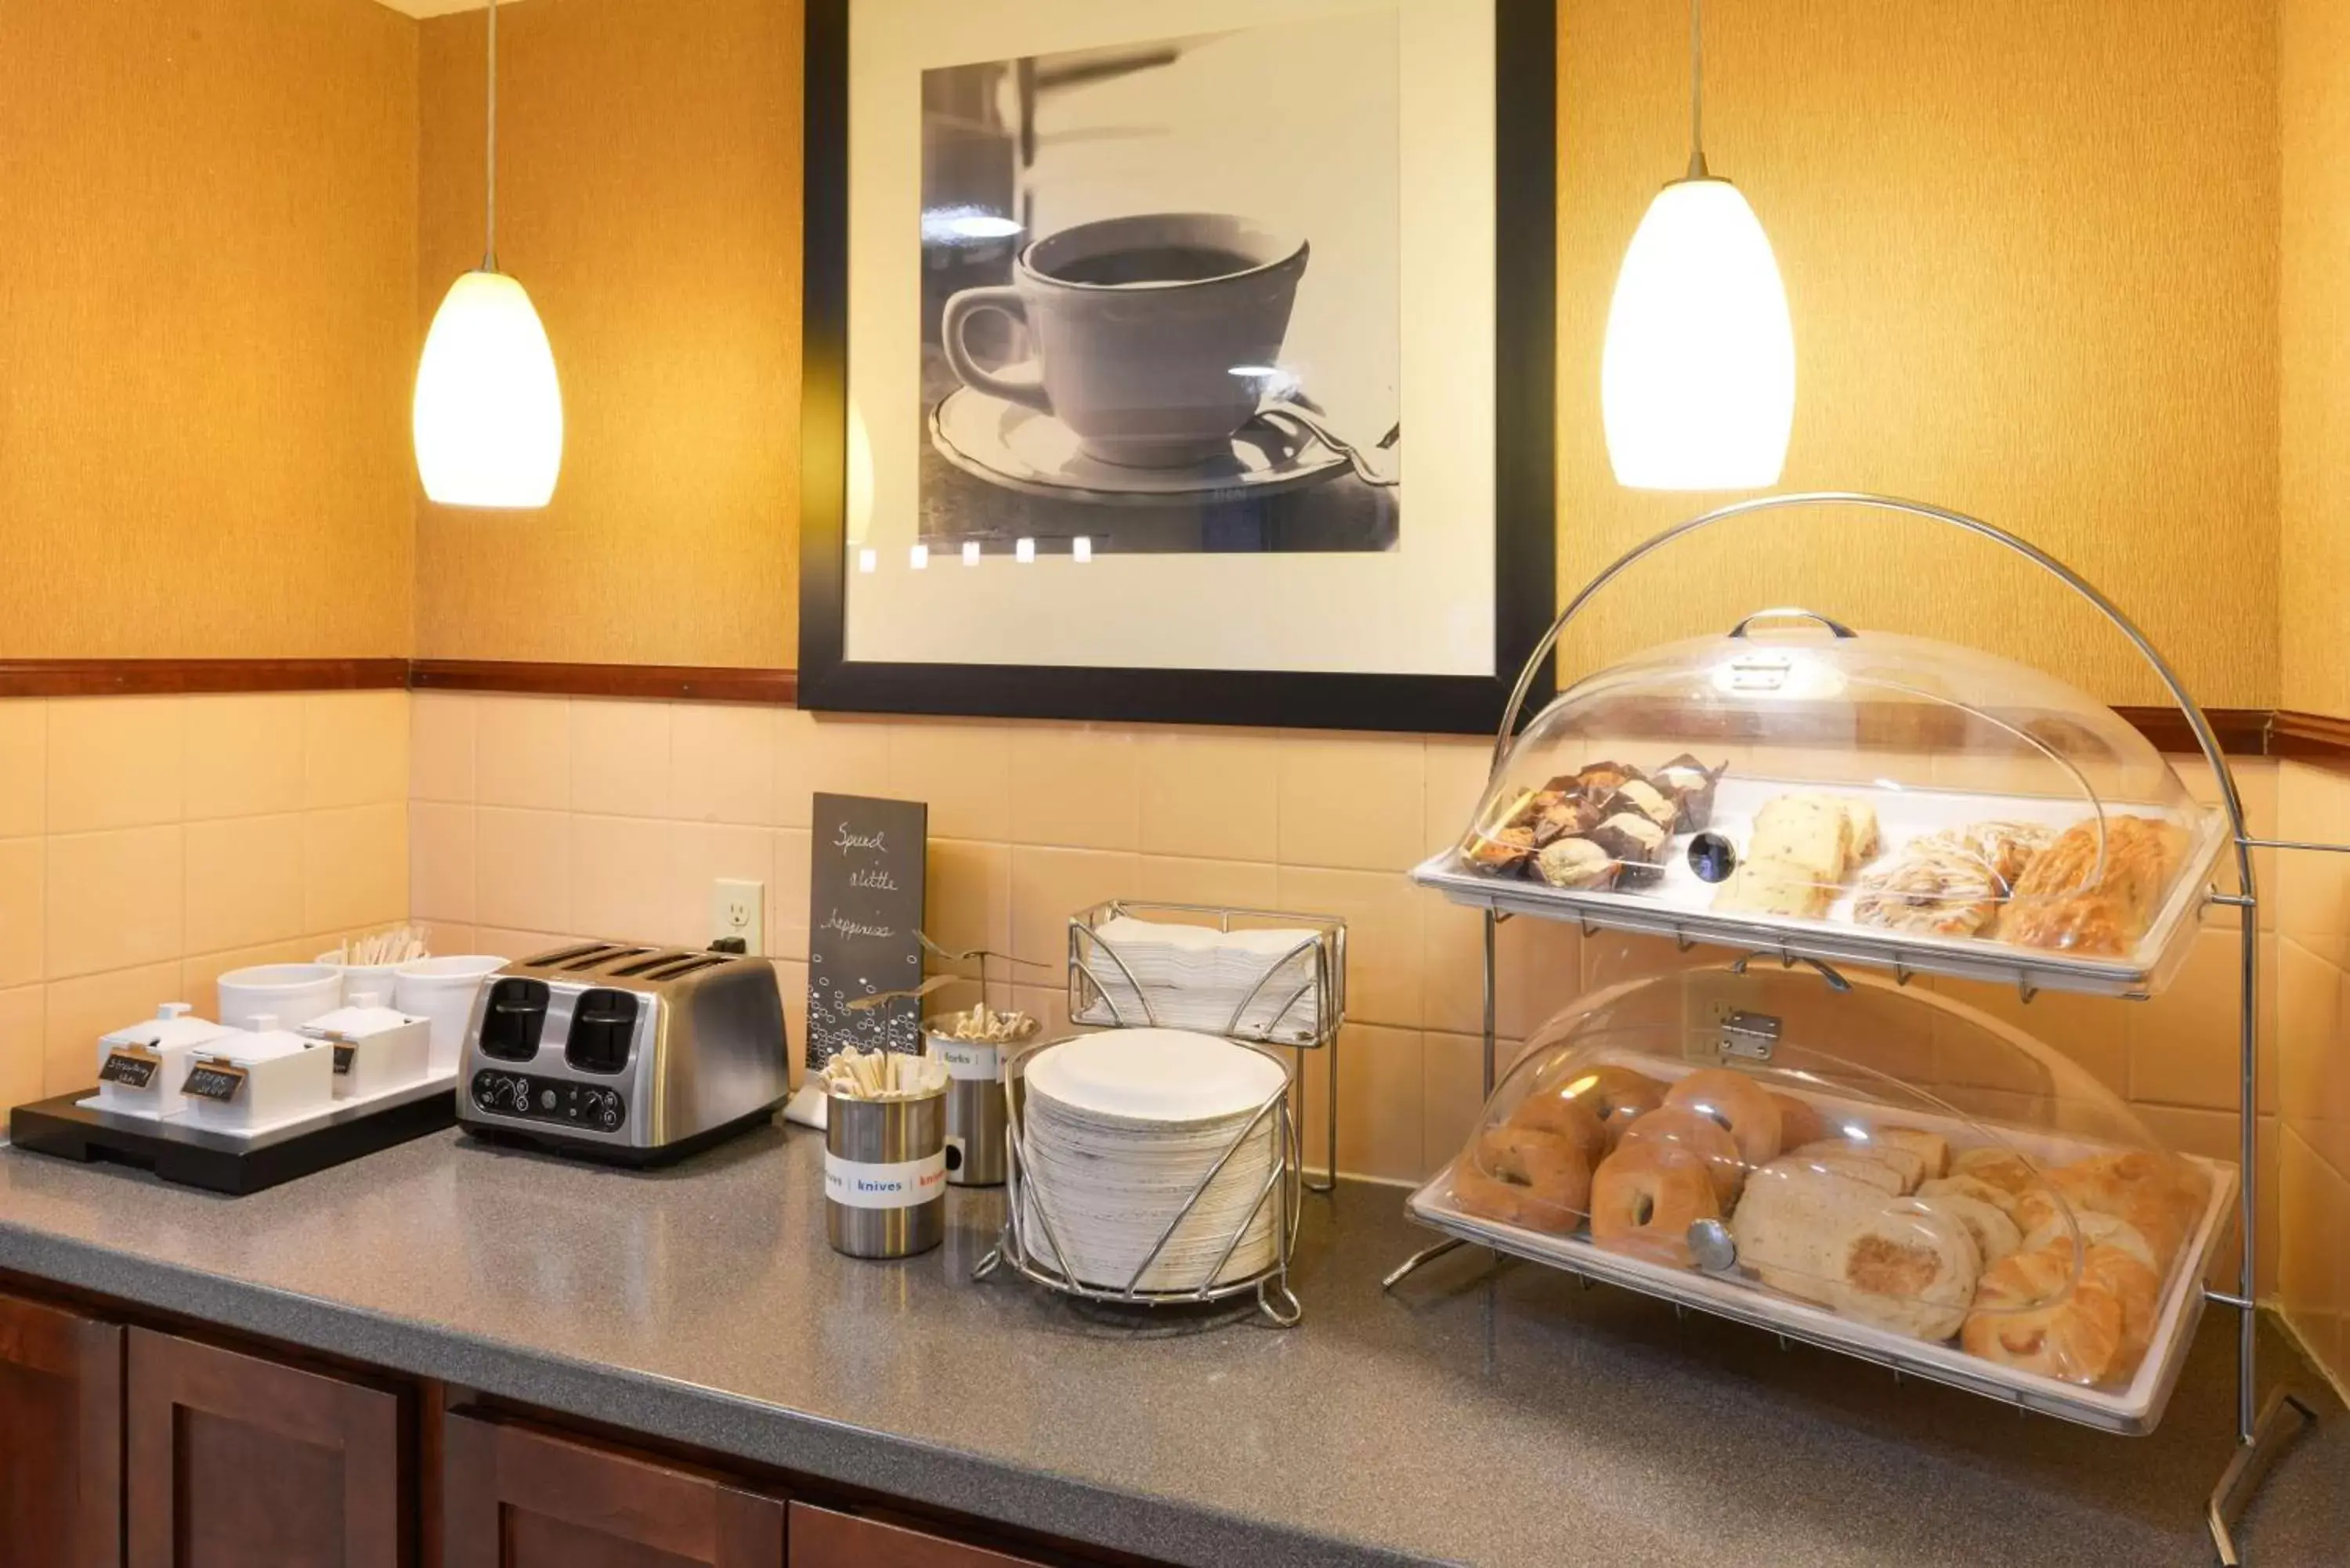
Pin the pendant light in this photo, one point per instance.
(488, 417)
(1698, 379)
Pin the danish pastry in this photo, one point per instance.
(1954, 883)
(2096, 889)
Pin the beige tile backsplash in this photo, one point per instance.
(2311, 988)
(147, 845)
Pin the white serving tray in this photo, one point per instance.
(333, 1110)
(1679, 904)
(2132, 1411)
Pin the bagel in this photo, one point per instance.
(1644, 1199)
(1696, 1136)
(1615, 1096)
(1743, 1106)
(1557, 1111)
(1527, 1177)
(1799, 1122)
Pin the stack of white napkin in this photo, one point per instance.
(1199, 978)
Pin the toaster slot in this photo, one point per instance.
(655, 961)
(602, 957)
(566, 955)
(698, 962)
(603, 1025)
(514, 1018)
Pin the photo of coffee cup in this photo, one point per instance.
(1149, 333)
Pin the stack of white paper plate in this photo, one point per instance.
(1120, 1129)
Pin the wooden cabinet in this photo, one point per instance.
(823, 1539)
(238, 1462)
(60, 1439)
(128, 1447)
(514, 1497)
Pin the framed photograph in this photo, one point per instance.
(1183, 360)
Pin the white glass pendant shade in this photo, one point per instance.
(1697, 377)
(489, 411)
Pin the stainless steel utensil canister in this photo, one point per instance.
(885, 1175)
(975, 1119)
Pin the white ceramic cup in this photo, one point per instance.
(378, 978)
(1151, 333)
(442, 989)
(291, 993)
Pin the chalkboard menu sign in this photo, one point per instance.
(865, 917)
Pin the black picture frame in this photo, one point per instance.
(1524, 473)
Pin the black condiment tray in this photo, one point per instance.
(191, 1156)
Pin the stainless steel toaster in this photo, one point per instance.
(627, 1053)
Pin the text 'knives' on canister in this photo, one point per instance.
(884, 1173)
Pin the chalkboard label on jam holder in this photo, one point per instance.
(211, 1080)
(129, 1066)
(865, 919)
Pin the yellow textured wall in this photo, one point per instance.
(2030, 246)
(207, 328)
(2315, 96)
(649, 199)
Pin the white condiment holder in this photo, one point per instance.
(256, 1080)
(139, 1068)
(375, 1048)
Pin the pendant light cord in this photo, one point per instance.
(1697, 169)
(490, 216)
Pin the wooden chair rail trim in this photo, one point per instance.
(2242, 731)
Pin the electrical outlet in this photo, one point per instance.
(739, 909)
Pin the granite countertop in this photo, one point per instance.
(1485, 1414)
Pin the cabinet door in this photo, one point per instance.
(238, 1462)
(515, 1497)
(60, 1438)
(822, 1539)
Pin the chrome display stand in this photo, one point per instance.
(2262, 1431)
(1283, 1193)
(1091, 1001)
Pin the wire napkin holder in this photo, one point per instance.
(1299, 1003)
(1033, 1203)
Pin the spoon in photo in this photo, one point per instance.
(1315, 423)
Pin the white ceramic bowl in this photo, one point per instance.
(293, 993)
(442, 989)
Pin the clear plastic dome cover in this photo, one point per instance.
(1877, 1167)
(1891, 790)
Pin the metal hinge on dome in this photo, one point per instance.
(1752, 1035)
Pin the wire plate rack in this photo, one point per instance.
(1030, 1200)
(1300, 1004)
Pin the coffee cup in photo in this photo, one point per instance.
(1151, 332)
